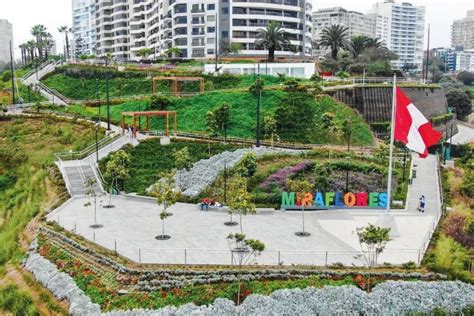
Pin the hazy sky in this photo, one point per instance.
(54, 13)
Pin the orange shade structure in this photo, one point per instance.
(176, 83)
(149, 114)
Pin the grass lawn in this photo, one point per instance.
(149, 159)
(192, 115)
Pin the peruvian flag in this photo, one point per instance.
(412, 128)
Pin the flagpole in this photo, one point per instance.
(392, 137)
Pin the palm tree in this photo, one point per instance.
(48, 44)
(358, 45)
(272, 38)
(31, 45)
(144, 52)
(374, 43)
(23, 53)
(39, 31)
(65, 29)
(335, 37)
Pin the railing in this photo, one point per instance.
(53, 93)
(387, 80)
(78, 155)
(99, 175)
(37, 69)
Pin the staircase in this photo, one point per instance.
(76, 178)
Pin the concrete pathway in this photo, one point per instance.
(200, 237)
(464, 136)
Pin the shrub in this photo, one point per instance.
(16, 302)
(247, 166)
(409, 265)
(466, 77)
(449, 257)
(160, 102)
(467, 186)
(456, 226)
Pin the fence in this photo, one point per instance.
(78, 155)
(196, 256)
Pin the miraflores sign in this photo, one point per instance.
(334, 200)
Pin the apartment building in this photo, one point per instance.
(402, 27)
(197, 27)
(462, 34)
(83, 27)
(6, 35)
(356, 22)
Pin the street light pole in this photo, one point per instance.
(97, 141)
(12, 74)
(107, 91)
(225, 183)
(259, 94)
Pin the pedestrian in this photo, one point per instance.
(422, 204)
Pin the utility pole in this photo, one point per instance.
(426, 72)
(259, 95)
(216, 53)
(12, 71)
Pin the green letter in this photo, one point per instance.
(329, 198)
(373, 199)
(288, 199)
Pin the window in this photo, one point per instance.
(225, 10)
(225, 34)
(211, 6)
(211, 29)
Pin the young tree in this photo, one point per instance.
(322, 174)
(329, 123)
(301, 188)
(235, 48)
(269, 128)
(91, 185)
(372, 240)
(182, 159)
(218, 120)
(239, 200)
(243, 251)
(166, 195)
(347, 131)
(272, 38)
(173, 51)
(144, 52)
(116, 170)
(460, 99)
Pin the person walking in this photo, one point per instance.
(421, 207)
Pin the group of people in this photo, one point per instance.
(130, 131)
(205, 203)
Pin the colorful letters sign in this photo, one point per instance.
(334, 199)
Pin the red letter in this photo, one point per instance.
(362, 199)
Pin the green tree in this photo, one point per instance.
(257, 87)
(218, 120)
(183, 159)
(173, 52)
(40, 33)
(116, 170)
(347, 130)
(66, 30)
(272, 38)
(335, 38)
(239, 199)
(329, 123)
(160, 102)
(269, 128)
(358, 45)
(243, 251)
(166, 196)
(460, 99)
(300, 187)
(295, 117)
(322, 174)
(235, 48)
(144, 52)
(247, 166)
(466, 77)
(372, 240)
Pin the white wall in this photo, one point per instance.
(297, 70)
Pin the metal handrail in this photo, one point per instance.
(39, 68)
(78, 155)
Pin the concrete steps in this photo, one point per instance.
(76, 178)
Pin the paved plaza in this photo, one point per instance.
(200, 237)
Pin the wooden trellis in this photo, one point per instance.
(176, 81)
(147, 114)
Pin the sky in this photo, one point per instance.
(23, 14)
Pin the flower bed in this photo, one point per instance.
(279, 178)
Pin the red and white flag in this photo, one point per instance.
(412, 128)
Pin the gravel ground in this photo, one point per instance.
(205, 172)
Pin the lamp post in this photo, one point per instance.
(225, 183)
(259, 94)
(107, 91)
(97, 141)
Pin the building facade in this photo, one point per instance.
(402, 27)
(6, 36)
(356, 22)
(83, 28)
(198, 28)
(462, 34)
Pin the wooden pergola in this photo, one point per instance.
(176, 83)
(147, 114)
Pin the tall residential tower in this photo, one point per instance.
(83, 26)
(463, 32)
(6, 35)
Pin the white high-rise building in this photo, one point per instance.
(197, 27)
(463, 32)
(6, 36)
(402, 27)
(356, 22)
(83, 28)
